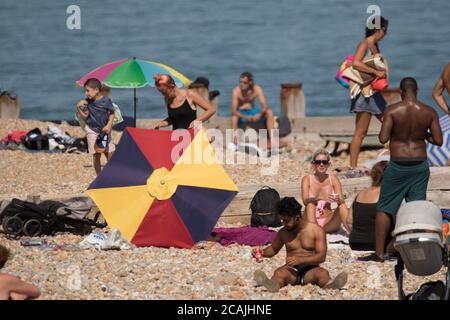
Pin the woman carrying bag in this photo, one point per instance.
(367, 73)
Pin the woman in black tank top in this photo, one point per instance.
(183, 115)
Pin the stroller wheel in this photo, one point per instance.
(32, 228)
(12, 226)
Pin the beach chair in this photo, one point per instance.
(421, 246)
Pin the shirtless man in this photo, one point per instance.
(306, 248)
(243, 110)
(441, 84)
(11, 287)
(405, 126)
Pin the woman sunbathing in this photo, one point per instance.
(319, 191)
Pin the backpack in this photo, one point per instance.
(433, 290)
(263, 206)
(284, 126)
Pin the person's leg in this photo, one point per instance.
(96, 161)
(310, 213)
(334, 224)
(394, 187)
(362, 123)
(420, 176)
(317, 276)
(380, 117)
(281, 278)
(108, 155)
(270, 124)
(382, 226)
(234, 126)
(340, 217)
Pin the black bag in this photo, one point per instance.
(34, 140)
(263, 208)
(284, 126)
(433, 290)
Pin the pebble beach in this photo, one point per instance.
(208, 271)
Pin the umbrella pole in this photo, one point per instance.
(135, 101)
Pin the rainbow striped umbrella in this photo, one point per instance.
(439, 156)
(163, 188)
(132, 74)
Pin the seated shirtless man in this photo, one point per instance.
(244, 112)
(11, 287)
(306, 249)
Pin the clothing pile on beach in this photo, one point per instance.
(55, 140)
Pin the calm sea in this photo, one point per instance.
(279, 41)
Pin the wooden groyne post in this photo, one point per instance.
(9, 106)
(292, 101)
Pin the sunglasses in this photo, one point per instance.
(324, 162)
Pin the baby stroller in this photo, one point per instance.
(422, 249)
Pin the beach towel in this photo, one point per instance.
(249, 236)
(14, 136)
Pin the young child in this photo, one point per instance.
(306, 249)
(98, 112)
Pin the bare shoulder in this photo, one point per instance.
(428, 109)
(393, 107)
(305, 178)
(258, 89)
(236, 90)
(334, 178)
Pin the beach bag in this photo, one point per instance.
(263, 207)
(344, 65)
(433, 290)
(376, 61)
(34, 140)
(284, 126)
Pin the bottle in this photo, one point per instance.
(258, 255)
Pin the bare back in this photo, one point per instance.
(406, 125)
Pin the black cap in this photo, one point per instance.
(202, 80)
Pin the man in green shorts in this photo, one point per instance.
(406, 125)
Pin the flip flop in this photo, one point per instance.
(371, 257)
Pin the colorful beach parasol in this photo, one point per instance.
(132, 74)
(163, 190)
(439, 156)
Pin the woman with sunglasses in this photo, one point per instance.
(182, 113)
(366, 102)
(319, 191)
